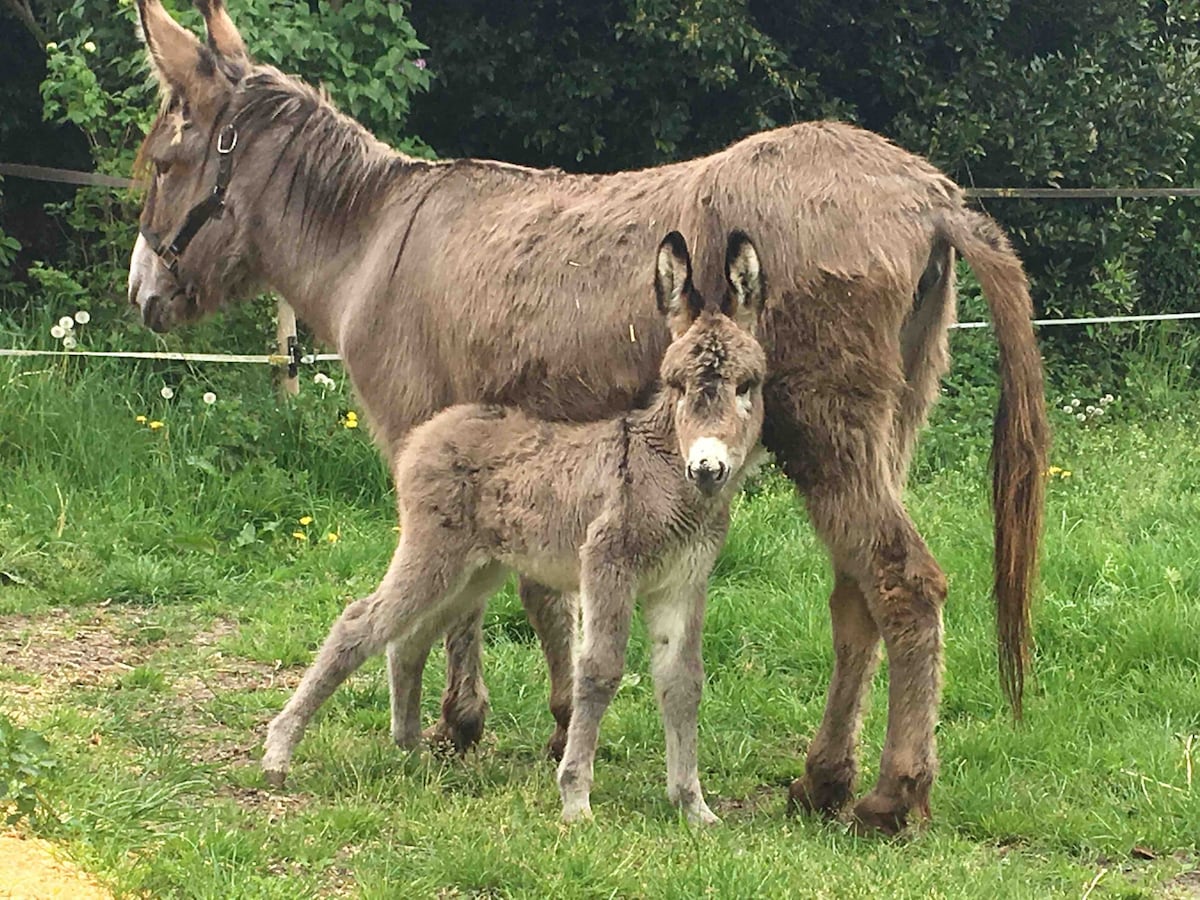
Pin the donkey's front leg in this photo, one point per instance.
(675, 621)
(606, 599)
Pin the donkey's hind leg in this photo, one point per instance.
(406, 664)
(831, 770)
(409, 606)
(465, 698)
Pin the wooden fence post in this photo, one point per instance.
(284, 330)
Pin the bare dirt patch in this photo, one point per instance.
(33, 869)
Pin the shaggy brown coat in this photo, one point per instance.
(448, 282)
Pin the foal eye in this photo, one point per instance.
(747, 386)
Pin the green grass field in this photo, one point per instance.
(160, 594)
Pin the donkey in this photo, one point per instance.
(635, 506)
(472, 281)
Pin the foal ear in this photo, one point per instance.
(223, 36)
(747, 292)
(677, 298)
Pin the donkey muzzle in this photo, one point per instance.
(708, 465)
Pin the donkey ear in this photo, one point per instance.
(223, 36)
(174, 51)
(747, 292)
(677, 298)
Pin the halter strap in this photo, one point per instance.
(211, 207)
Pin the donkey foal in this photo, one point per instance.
(636, 506)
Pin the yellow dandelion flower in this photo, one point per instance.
(306, 520)
(155, 425)
(332, 537)
(395, 528)
(351, 415)
(1066, 473)
(351, 423)
(141, 420)
(1053, 470)
(300, 535)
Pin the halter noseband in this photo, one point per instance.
(211, 207)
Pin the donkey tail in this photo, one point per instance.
(1020, 437)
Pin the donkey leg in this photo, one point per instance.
(831, 769)
(406, 664)
(675, 624)
(409, 607)
(553, 618)
(607, 606)
(465, 698)
(875, 540)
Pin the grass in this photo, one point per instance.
(155, 608)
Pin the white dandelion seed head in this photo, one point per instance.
(83, 317)
(166, 392)
(209, 398)
(66, 323)
(57, 332)
(1082, 417)
(68, 343)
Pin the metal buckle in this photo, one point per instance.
(227, 133)
(169, 258)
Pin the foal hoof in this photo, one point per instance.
(876, 814)
(275, 777)
(557, 745)
(453, 739)
(825, 798)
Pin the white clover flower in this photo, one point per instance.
(1082, 417)
(1075, 402)
(209, 397)
(68, 343)
(83, 317)
(167, 393)
(66, 323)
(57, 332)
(1067, 409)
(1090, 410)
(1099, 411)
(89, 46)
(1106, 399)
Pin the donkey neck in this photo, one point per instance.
(313, 186)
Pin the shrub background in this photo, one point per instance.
(998, 93)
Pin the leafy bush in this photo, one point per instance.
(25, 761)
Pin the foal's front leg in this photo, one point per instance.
(675, 621)
(606, 597)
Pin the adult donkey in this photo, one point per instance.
(449, 282)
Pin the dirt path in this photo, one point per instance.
(33, 869)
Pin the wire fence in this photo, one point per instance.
(290, 356)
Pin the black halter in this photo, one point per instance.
(211, 207)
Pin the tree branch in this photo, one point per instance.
(22, 10)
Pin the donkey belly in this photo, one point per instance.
(559, 574)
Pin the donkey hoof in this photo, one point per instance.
(702, 815)
(826, 798)
(275, 777)
(557, 745)
(575, 813)
(877, 814)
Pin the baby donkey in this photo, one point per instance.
(632, 507)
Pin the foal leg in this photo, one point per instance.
(831, 770)
(607, 605)
(409, 607)
(553, 618)
(675, 623)
(465, 698)
(406, 664)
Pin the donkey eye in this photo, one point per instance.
(747, 386)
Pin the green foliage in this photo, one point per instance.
(25, 762)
